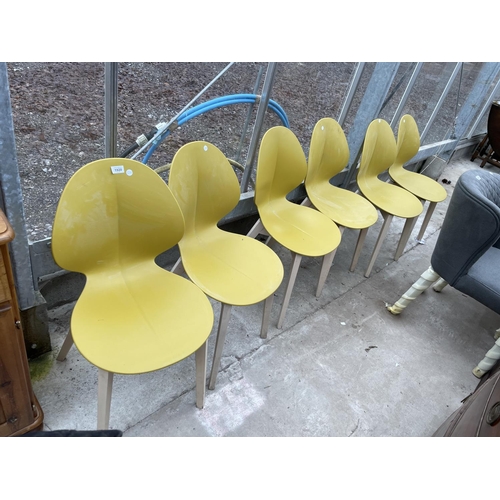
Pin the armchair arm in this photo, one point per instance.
(471, 225)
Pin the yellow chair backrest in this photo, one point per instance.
(108, 220)
(204, 184)
(282, 165)
(379, 152)
(229, 267)
(328, 152)
(408, 142)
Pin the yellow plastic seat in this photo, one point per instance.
(231, 268)
(328, 156)
(303, 230)
(379, 153)
(423, 187)
(132, 316)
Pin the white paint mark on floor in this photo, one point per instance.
(368, 318)
(228, 407)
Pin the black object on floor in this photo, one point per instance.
(73, 433)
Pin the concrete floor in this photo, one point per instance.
(341, 366)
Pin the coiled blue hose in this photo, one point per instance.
(214, 104)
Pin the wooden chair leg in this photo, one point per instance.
(359, 246)
(201, 374)
(178, 267)
(291, 281)
(425, 223)
(225, 313)
(381, 237)
(68, 342)
(258, 228)
(269, 241)
(405, 236)
(479, 147)
(104, 388)
(325, 269)
(427, 278)
(485, 157)
(266, 316)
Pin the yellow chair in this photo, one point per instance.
(379, 153)
(328, 156)
(281, 168)
(114, 217)
(422, 187)
(231, 268)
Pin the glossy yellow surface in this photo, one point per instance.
(379, 153)
(407, 147)
(281, 168)
(231, 268)
(132, 316)
(328, 156)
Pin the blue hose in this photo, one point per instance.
(214, 104)
(208, 106)
(236, 99)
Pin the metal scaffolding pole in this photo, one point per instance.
(12, 197)
(440, 101)
(259, 121)
(111, 108)
(360, 67)
(375, 94)
(32, 305)
(404, 99)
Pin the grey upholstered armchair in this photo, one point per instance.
(467, 252)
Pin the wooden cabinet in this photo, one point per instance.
(20, 411)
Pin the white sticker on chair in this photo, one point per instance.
(130, 172)
(117, 169)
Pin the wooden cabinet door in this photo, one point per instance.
(16, 410)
